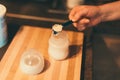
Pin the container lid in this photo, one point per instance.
(2, 10)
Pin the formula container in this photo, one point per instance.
(3, 26)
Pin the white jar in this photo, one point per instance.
(58, 45)
(3, 26)
(72, 3)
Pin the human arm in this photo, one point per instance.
(87, 16)
(110, 11)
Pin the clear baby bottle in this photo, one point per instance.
(58, 45)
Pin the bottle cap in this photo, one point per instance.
(2, 10)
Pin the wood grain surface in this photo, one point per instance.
(35, 37)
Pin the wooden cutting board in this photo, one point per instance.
(35, 37)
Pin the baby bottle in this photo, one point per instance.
(3, 26)
(58, 45)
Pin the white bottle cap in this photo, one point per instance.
(2, 10)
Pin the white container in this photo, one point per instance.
(32, 62)
(3, 26)
(72, 3)
(59, 46)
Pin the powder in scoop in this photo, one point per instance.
(57, 28)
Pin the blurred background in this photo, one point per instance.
(101, 43)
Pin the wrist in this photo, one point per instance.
(110, 11)
(102, 13)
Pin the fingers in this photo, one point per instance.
(74, 14)
(84, 21)
(82, 24)
(85, 16)
(81, 28)
(77, 13)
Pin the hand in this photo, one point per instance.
(85, 16)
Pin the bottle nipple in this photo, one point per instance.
(32, 62)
